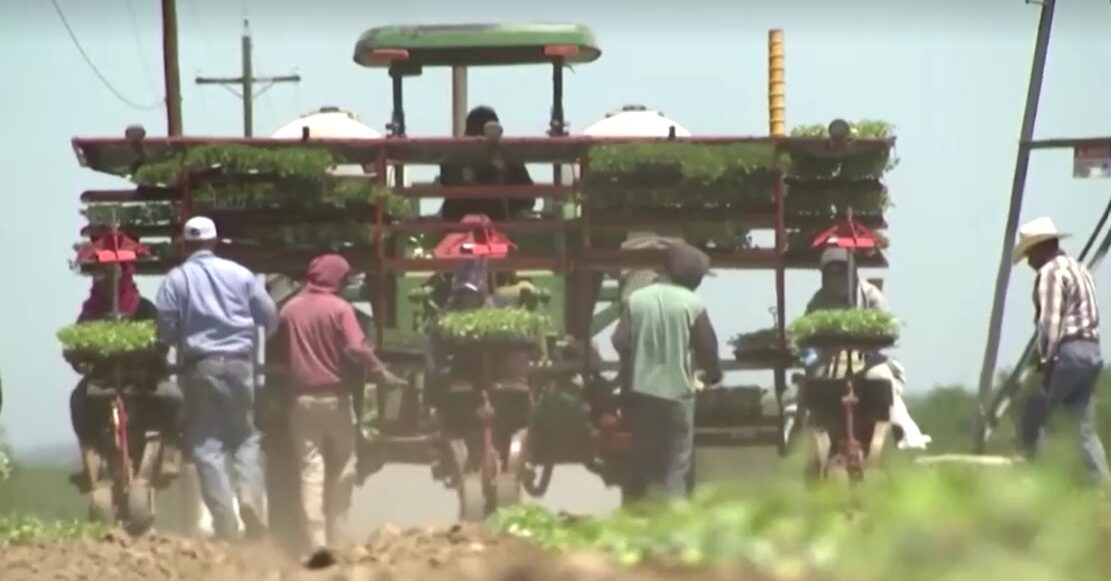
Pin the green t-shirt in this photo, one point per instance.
(661, 316)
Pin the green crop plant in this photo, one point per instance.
(22, 529)
(834, 197)
(494, 325)
(285, 178)
(303, 162)
(5, 463)
(131, 213)
(871, 164)
(760, 343)
(954, 523)
(662, 175)
(297, 194)
(108, 338)
(854, 324)
(863, 129)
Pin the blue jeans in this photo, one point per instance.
(663, 446)
(219, 408)
(1070, 381)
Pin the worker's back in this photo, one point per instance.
(661, 317)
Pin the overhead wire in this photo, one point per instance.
(140, 52)
(206, 49)
(96, 70)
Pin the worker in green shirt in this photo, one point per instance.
(663, 336)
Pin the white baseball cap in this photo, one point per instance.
(199, 229)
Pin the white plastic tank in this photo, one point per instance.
(335, 123)
(636, 121)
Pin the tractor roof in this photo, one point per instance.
(476, 45)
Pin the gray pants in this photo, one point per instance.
(1070, 381)
(663, 446)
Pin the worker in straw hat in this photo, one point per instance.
(1066, 317)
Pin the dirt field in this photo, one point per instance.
(435, 550)
(455, 553)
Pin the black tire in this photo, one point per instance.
(140, 508)
(472, 499)
(102, 506)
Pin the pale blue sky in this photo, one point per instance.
(951, 77)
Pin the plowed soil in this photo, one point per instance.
(454, 554)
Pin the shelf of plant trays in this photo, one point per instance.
(741, 259)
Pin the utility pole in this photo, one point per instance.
(170, 68)
(246, 81)
(1018, 186)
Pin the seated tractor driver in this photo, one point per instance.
(90, 400)
(484, 174)
(834, 294)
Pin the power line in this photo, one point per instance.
(138, 42)
(89, 61)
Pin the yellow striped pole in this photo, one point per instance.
(777, 86)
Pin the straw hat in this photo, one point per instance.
(1034, 232)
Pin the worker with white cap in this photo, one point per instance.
(209, 309)
(1067, 322)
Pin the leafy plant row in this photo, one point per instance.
(761, 343)
(495, 325)
(857, 324)
(21, 529)
(108, 338)
(286, 177)
(918, 524)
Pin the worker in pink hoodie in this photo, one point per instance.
(321, 345)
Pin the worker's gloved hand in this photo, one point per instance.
(387, 378)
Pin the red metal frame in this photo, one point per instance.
(112, 248)
(480, 239)
(581, 268)
(848, 234)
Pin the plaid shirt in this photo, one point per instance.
(1064, 305)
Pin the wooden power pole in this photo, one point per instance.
(1018, 187)
(170, 67)
(246, 81)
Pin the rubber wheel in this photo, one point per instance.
(102, 507)
(472, 500)
(507, 491)
(140, 508)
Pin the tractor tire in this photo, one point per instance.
(102, 506)
(140, 508)
(472, 499)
